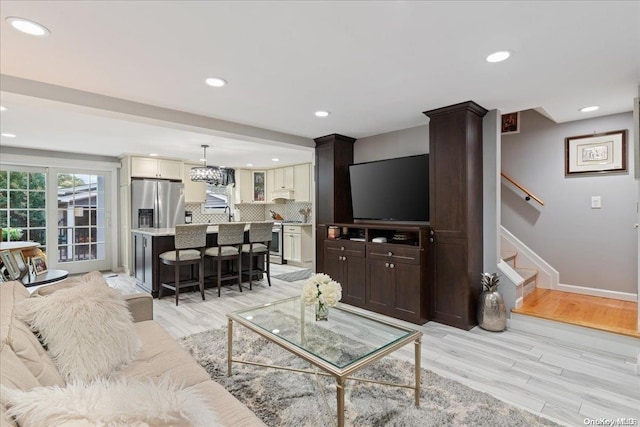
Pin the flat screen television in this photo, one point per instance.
(391, 190)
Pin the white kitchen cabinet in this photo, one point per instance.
(144, 167)
(302, 182)
(194, 192)
(258, 186)
(298, 245)
(283, 178)
(243, 191)
(270, 183)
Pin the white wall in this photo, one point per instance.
(591, 248)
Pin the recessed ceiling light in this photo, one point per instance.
(3, 108)
(28, 27)
(8, 135)
(499, 56)
(153, 154)
(589, 109)
(249, 164)
(215, 82)
(275, 160)
(322, 113)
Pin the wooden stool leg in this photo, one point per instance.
(240, 268)
(250, 269)
(267, 261)
(177, 281)
(201, 277)
(219, 273)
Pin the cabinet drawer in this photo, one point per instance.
(344, 246)
(395, 253)
(292, 229)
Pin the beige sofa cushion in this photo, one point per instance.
(14, 374)
(17, 335)
(162, 356)
(230, 411)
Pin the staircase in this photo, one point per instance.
(529, 275)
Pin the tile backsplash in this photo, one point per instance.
(253, 212)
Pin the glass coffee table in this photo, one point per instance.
(344, 344)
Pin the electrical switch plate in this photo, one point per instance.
(596, 202)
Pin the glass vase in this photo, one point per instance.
(322, 311)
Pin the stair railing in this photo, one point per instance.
(529, 194)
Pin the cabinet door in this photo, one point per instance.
(278, 179)
(288, 178)
(287, 244)
(169, 169)
(194, 192)
(450, 292)
(334, 267)
(302, 182)
(379, 279)
(138, 257)
(259, 188)
(243, 188)
(142, 167)
(407, 294)
(148, 262)
(270, 183)
(353, 287)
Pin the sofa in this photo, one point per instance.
(25, 364)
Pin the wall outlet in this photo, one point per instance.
(596, 202)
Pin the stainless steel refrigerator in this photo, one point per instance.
(156, 204)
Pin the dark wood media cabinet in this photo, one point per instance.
(390, 278)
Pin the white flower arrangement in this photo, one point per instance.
(321, 288)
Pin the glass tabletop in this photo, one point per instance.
(343, 340)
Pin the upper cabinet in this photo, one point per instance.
(144, 167)
(302, 182)
(243, 188)
(194, 192)
(283, 178)
(259, 186)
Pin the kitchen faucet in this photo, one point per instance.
(228, 209)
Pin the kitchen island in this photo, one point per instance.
(149, 272)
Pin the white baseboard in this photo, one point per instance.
(624, 296)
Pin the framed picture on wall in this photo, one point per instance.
(511, 123)
(597, 153)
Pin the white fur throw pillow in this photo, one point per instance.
(87, 329)
(103, 403)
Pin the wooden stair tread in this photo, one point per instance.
(508, 255)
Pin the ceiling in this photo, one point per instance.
(374, 65)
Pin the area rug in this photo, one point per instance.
(288, 399)
(294, 276)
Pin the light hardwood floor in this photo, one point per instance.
(560, 381)
(604, 314)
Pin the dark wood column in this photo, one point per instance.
(455, 187)
(334, 154)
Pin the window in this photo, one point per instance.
(218, 198)
(23, 205)
(81, 217)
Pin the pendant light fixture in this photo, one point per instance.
(211, 174)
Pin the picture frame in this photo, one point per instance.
(510, 123)
(20, 262)
(597, 153)
(39, 265)
(13, 272)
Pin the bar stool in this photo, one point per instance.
(230, 240)
(190, 242)
(260, 234)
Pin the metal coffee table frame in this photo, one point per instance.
(341, 375)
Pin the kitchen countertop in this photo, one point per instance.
(157, 232)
